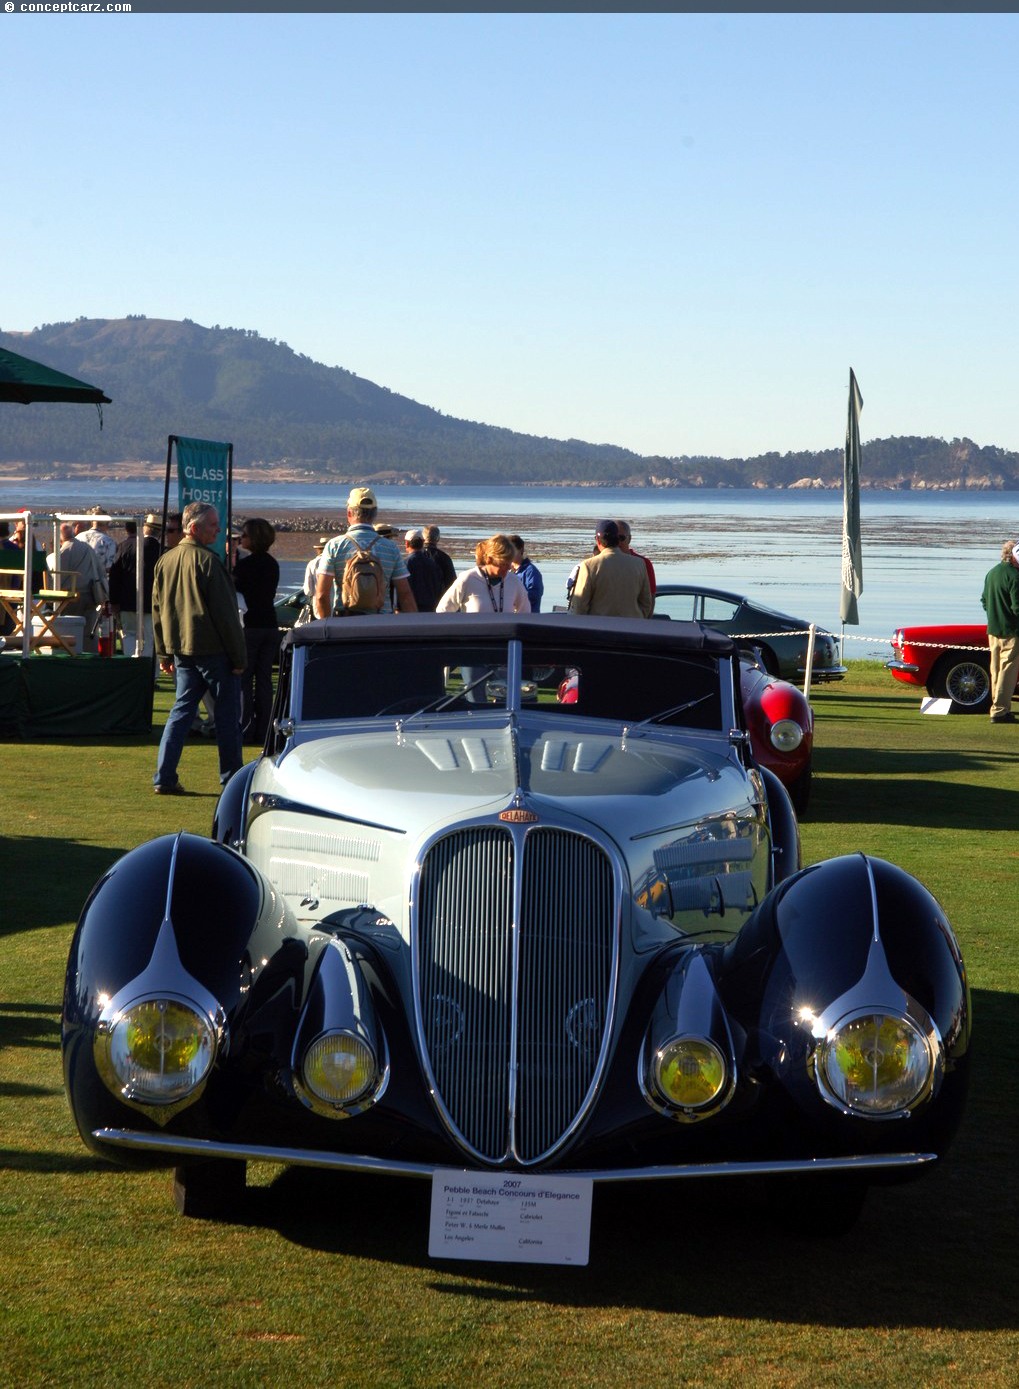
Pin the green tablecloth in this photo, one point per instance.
(74, 696)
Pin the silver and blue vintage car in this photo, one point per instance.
(449, 921)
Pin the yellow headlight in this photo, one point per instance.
(338, 1068)
(876, 1064)
(161, 1050)
(690, 1072)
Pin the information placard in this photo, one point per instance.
(505, 1217)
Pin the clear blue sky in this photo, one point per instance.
(676, 233)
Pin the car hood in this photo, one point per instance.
(416, 779)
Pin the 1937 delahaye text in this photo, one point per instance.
(449, 921)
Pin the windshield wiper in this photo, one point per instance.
(436, 706)
(666, 713)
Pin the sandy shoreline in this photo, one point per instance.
(293, 529)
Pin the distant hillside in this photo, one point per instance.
(284, 412)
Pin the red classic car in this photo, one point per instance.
(781, 727)
(778, 718)
(949, 662)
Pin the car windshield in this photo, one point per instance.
(401, 679)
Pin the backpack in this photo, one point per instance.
(363, 586)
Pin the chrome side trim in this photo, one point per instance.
(262, 801)
(203, 1149)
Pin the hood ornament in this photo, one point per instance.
(517, 813)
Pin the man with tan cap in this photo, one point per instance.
(361, 536)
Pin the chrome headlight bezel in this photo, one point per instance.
(909, 1081)
(703, 1061)
(156, 1051)
(333, 1090)
(785, 735)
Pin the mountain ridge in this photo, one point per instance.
(291, 417)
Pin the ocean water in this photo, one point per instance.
(924, 554)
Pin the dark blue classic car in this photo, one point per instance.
(448, 922)
(780, 641)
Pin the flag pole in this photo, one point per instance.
(852, 558)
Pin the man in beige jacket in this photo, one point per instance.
(611, 583)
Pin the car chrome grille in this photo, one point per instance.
(514, 1029)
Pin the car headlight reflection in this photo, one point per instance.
(786, 735)
(875, 1064)
(160, 1050)
(690, 1072)
(338, 1068)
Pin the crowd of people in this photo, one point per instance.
(419, 576)
(214, 629)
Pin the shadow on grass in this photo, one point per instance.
(29, 1025)
(906, 794)
(935, 1253)
(43, 880)
(21, 1160)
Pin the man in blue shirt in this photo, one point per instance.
(362, 509)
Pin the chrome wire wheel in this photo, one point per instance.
(964, 680)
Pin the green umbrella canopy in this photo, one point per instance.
(23, 381)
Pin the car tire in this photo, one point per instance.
(799, 791)
(209, 1190)
(786, 850)
(963, 678)
(825, 1206)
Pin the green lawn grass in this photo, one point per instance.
(328, 1282)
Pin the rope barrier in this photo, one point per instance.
(852, 636)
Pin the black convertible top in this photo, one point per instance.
(537, 629)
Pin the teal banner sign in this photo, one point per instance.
(203, 475)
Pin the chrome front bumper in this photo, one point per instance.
(823, 675)
(202, 1150)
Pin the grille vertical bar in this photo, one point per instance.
(566, 961)
(465, 978)
(565, 896)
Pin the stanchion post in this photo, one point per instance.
(810, 661)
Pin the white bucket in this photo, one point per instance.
(72, 629)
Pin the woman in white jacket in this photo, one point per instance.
(491, 586)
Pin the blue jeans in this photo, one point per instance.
(195, 675)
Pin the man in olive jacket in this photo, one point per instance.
(1001, 603)
(198, 636)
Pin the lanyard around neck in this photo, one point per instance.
(490, 585)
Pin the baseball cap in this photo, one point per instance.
(608, 530)
(414, 533)
(361, 496)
